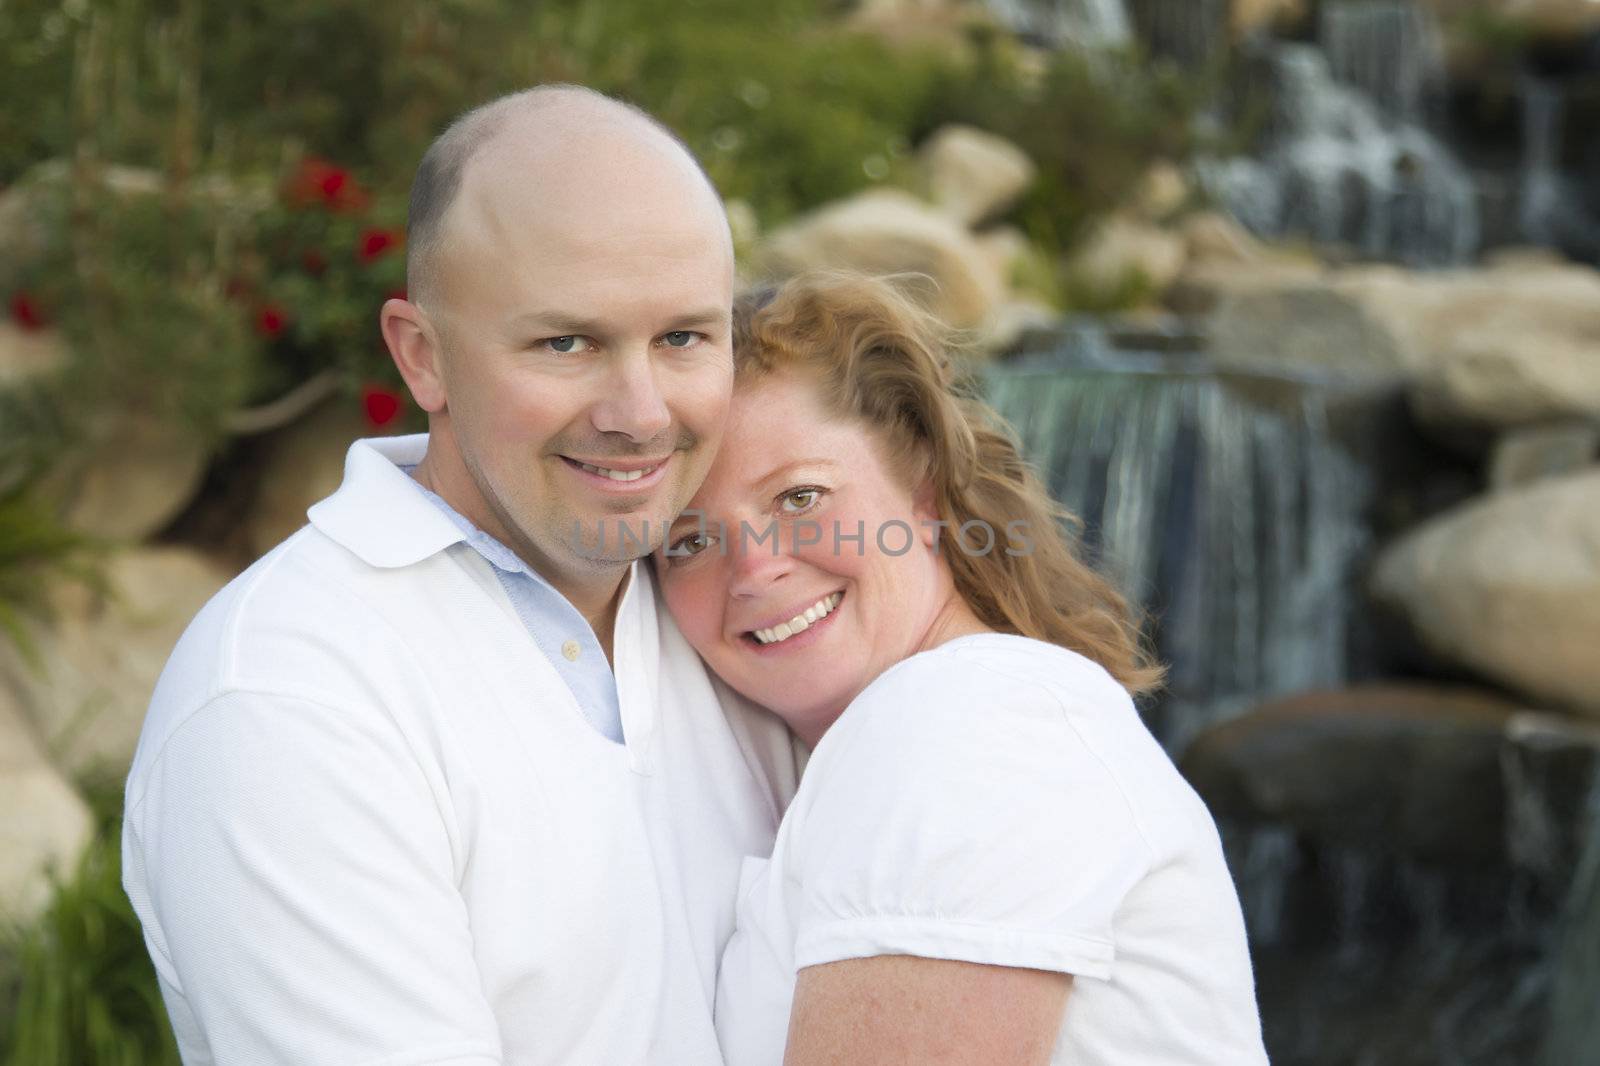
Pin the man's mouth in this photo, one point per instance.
(619, 475)
(620, 472)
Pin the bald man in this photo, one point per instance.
(436, 781)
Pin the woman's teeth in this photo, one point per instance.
(800, 622)
(618, 475)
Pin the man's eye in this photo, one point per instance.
(567, 345)
(680, 338)
(798, 500)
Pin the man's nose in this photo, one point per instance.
(632, 402)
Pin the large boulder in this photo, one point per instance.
(28, 353)
(1509, 586)
(1305, 325)
(888, 232)
(1497, 348)
(1125, 253)
(1451, 776)
(102, 651)
(973, 175)
(303, 463)
(129, 479)
(44, 824)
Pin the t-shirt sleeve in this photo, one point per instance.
(953, 812)
(294, 876)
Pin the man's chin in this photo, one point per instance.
(618, 538)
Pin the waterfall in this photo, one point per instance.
(1087, 23)
(1550, 210)
(1192, 32)
(1334, 171)
(1391, 50)
(1215, 499)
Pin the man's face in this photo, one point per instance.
(587, 364)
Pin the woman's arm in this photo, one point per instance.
(904, 1009)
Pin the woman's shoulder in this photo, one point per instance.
(995, 672)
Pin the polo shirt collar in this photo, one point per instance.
(378, 512)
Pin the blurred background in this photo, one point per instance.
(1293, 301)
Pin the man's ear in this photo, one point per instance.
(414, 345)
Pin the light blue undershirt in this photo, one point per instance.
(551, 621)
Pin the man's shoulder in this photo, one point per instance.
(307, 620)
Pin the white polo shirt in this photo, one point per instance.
(367, 823)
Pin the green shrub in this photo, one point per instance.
(86, 993)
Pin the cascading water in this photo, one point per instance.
(1550, 210)
(1216, 499)
(1087, 23)
(1192, 32)
(1391, 50)
(1334, 171)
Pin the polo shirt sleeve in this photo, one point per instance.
(954, 813)
(294, 877)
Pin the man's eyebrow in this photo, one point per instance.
(561, 324)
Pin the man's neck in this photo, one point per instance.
(596, 595)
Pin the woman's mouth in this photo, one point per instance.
(803, 622)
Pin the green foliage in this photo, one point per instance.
(33, 549)
(86, 991)
(1093, 123)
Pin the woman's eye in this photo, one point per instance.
(680, 338)
(798, 500)
(567, 345)
(687, 545)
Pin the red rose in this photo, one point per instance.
(26, 312)
(376, 243)
(271, 321)
(382, 405)
(319, 183)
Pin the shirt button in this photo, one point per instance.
(570, 649)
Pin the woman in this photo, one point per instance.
(989, 859)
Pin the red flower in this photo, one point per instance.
(381, 403)
(271, 321)
(376, 243)
(396, 294)
(26, 312)
(319, 183)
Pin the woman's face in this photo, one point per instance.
(804, 568)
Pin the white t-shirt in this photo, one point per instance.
(369, 825)
(997, 800)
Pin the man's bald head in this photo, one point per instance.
(537, 122)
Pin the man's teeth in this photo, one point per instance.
(618, 475)
(800, 622)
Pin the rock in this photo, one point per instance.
(1496, 348)
(1125, 250)
(1307, 326)
(1544, 18)
(1007, 249)
(943, 24)
(1509, 586)
(1250, 17)
(44, 824)
(889, 232)
(304, 463)
(972, 174)
(129, 480)
(1162, 193)
(1523, 456)
(26, 354)
(1409, 765)
(102, 653)
(1213, 237)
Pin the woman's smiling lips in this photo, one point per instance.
(786, 633)
(619, 475)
